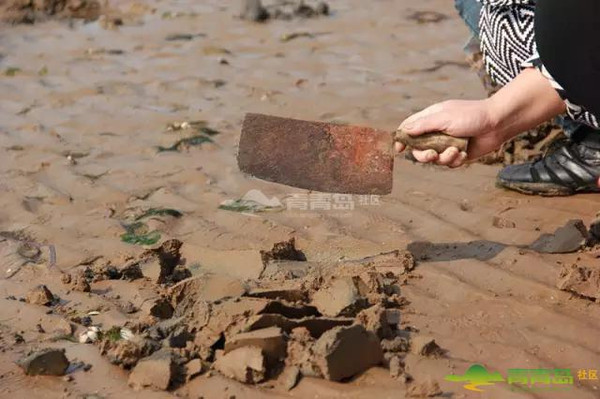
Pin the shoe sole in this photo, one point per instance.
(543, 189)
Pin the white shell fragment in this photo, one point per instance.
(90, 336)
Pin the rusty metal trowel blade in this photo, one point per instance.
(317, 156)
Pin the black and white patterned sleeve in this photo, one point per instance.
(575, 112)
(507, 37)
(507, 2)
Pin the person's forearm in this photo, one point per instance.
(523, 104)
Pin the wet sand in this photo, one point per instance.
(478, 293)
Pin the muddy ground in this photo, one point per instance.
(103, 157)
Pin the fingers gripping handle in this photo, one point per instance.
(436, 141)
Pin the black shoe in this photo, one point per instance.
(572, 168)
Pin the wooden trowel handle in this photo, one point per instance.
(431, 141)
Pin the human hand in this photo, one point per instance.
(457, 118)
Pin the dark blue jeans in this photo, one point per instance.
(469, 11)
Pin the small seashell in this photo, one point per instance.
(90, 336)
(93, 336)
(83, 338)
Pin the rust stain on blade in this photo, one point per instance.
(317, 156)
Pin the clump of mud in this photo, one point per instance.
(327, 322)
(31, 11)
(285, 250)
(331, 321)
(529, 146)
(255, 11)
(581, 278)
